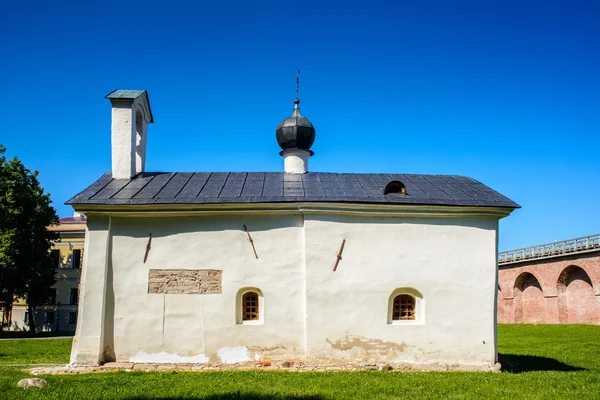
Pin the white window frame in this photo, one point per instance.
(239, 307)
(419, 307)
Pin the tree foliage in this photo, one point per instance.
(26, 268)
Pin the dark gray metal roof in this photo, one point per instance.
(278, 187)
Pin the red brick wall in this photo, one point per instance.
(564, 289)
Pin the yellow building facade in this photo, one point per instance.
(59, 314)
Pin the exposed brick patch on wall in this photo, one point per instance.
(557, 290)
(184, 281)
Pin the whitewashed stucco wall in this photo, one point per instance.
(450, 261)
(192, 324)
(310, 312)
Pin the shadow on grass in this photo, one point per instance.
(516, 364)
(237, 396)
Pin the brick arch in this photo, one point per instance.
(577, 302)
(528, 299)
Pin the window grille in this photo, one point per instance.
(250, 306)
(404, 308)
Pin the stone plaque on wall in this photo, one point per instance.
(184, 281)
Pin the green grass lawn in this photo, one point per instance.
(51, 351)
(544, 362)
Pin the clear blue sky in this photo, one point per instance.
(507, 92)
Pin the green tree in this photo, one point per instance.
(26, 268)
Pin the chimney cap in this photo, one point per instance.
(120, 95)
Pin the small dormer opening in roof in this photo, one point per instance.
(395, 187)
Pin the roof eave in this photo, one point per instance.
(385, 209)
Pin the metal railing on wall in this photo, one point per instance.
(582, 244)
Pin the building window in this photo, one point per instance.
(249, 306)
(49, 317)
(26, 317)
(395, 187)
(72, 317)
(55, 256)
(404, 308)
(73, 296)
(76, 259)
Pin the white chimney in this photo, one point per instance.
(131, 115)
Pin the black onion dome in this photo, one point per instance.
(295, 132)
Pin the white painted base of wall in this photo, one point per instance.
(164, 357)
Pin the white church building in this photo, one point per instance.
(317, 268)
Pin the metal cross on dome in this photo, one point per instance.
(297, 84)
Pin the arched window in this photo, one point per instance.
(250, 307)
(395, 187)
(404, 308)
